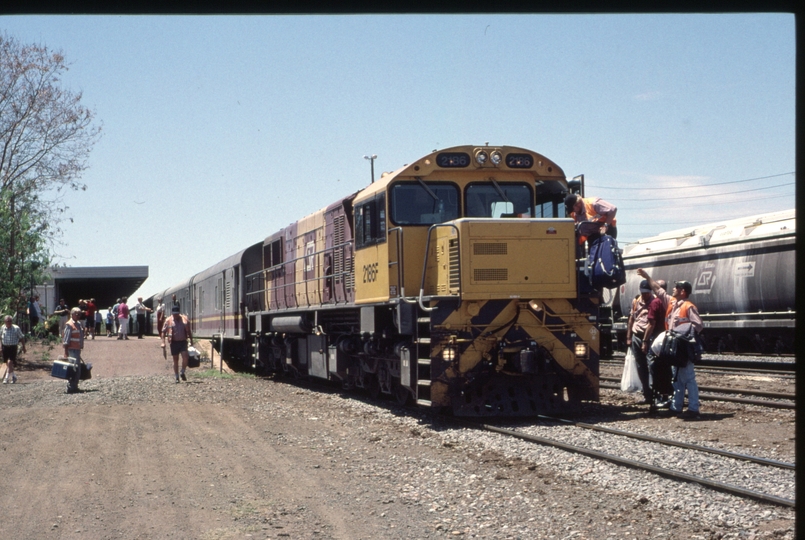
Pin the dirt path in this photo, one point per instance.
(177, 468)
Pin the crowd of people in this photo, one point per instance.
(654, 314)
(85, 321)
(655, 317)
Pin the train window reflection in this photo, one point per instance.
(423, 203)
(489, 199)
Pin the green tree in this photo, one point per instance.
(46, 136)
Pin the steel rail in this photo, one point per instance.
(667, 473)
(744, 391)
(680, 444)
(770, 372)
(714, 397)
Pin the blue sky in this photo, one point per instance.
(219, 130)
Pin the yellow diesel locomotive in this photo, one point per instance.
(452, 282)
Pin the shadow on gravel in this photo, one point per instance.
(26, 366)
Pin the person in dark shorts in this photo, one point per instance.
(178, 334)
(11, 337)
(73, 342)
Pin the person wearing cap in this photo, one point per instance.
(635, 333)
(73, 342)
(177, 332)
(659, 372)
(593, 210)
(683, 318)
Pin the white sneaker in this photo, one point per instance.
(5, 380)
(13, 378)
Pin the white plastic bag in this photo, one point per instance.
(630, 381)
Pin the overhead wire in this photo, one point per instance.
(706, 185)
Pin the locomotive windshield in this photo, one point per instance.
(424, 203)
(491, 199)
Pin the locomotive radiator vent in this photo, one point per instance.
(491, 274)
(455, 270)
(490, 248)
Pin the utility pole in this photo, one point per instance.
(372, 159)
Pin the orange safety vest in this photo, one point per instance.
(682, 314)
(75, 336)
(589, 210)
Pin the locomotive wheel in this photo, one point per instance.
(401, 393)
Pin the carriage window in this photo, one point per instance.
(370, 222)
(272, 254)
(498, 200)
(426, 203)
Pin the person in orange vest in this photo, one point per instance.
(593, 210)
(683, 317)
(73, 341)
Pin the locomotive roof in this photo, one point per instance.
(542, 168)
(761, 226)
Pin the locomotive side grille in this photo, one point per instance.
(228, 295)
(338, 252)
(491, 274)
(349, 275)
(455, 270)
(490, 248)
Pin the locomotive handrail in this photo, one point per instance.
(282, 288)
(425, 265)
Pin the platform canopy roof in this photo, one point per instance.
(103, 283)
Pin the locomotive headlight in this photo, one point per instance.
(448, 354)
(496, 158)
(481, 157)
(581, 349)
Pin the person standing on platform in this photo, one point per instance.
(63, 311)
(73, 341)
(160, 316)
(34, 312)
(123, 318)
(178, 334)
(110, 322)
(91, 308)
(12, 336)
(141, 309)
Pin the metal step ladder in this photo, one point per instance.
(423, 372)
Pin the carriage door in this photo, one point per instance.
(232, 300)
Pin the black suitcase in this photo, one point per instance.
(661, 376)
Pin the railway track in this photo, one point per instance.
(776, 369)
(725, 487)
(728, 394)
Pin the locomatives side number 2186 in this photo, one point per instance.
(370, 273)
